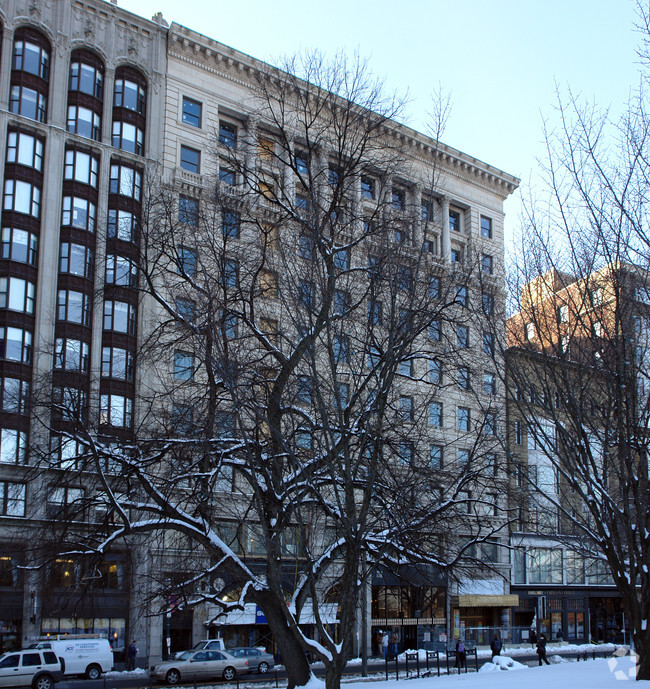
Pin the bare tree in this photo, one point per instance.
(577, 364)
(294, 328)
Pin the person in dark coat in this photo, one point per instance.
(131, 653)
(541, 650)
(496, 645)
(461, 655)
(533, 638)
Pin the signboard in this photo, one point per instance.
(260, 618)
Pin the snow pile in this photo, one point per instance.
(558, 659)
(502, 663)
(138, 672)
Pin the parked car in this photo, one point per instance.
(200, 665)
(258, 659)
(206, 644)
(86, 655)
(38, 669)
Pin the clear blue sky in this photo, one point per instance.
(499, 59)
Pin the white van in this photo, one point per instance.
(80, 654)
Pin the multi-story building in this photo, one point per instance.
(97, 105)
(577, 399)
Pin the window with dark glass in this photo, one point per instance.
(13, 446)
(22, 197)
(130, 95)
(85, 122)
(341, 347)
(227, 134)
(454, 221)
(188, 211)
(128, 137)
(367, 188)
(79, 212)
(486, 227)
(435, 371)
(191, 111)
(435, 330)
(488, 343)
(489, 384)
(461, 295)
(71, 355)
(462, 336)
(227, 176)
(487, 264)
(86, 78)
(81, 167)
(463, 378)
(15, 396)
(342, 259)
(28, 102)
(25, 149)
(190, 159)
(19, 245)
(183, 366)
(125, 181)
(187, 261)
(463, 419)
(230, 272)
(456, 255)
(117, 363)
(116, 410)
(434, 287)
(435, 414)
(121, 271)
(73, 307)
(17, 294)
(12, 499)
(76, 259)
(487, 301)
(397, 199)
(119, 317)
(230, 222)
(122, 225)
(426, 210)
(16, 345)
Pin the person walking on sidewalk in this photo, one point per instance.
(131, 653)
(496, 645)
(541, 649)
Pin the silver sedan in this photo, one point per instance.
(199, 665)
(258, 659)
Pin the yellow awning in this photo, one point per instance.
(478, 601)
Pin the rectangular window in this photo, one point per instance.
(426, 210)
(71, 355)
(73, 307)
(76, 259)
(122, 225)
(22, 197)
(128, 137)
(489, 384)
(117, 363)
(435, 414)
(463, 419)
(456, 255)
(188, 211)
(342, 259)
(230, 272)
(116, 410)
(406, 408)
(28, 103)
(454, 221)
(227, 134)
(230, 223)
(486, 227)
(268, 284)
(435, 457)
(462, 457)
(461, 296)
(16, 345)
(490, 423)
(190, 159)
(85, 122)
(434, 288)
(435, 331)
(12, 499)
(306, 294)
(488, 344)
(487, 264)
(341, 303)
(487, 302)
(374, 312)
(302, 162)
(70, 403)
(397, 199)
(19, 245)
(121, 271)
(119, 317)
(435, 371)
(191, 112)
(15, 395)
(228, 177)
(405, 452)
(462, 336)
(529, 331)
(367, 188)
(25, 149)
(518, 433)
(463, 378)
(187, 261)
(265, 148)
(341, 345)
(17, 295)
(80, 213)
(125, 181)
(13, 446)
(304, 387)
(405, 367)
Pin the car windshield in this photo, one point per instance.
(184, 655)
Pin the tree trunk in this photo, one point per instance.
(642, 648)
(291, 651)
(333, 673)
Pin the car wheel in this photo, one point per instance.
(93, 672)
(229, 673)
(43, 682)
(263, 668)
(173, 677)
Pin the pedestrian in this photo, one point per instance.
(533, 638)
(461, 655)
(395, 645)
(131, 653)
(541, 650)
(384, 645)
(496, 645)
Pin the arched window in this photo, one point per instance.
(129, 110)
(30, 74)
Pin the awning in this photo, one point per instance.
(478, 601)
